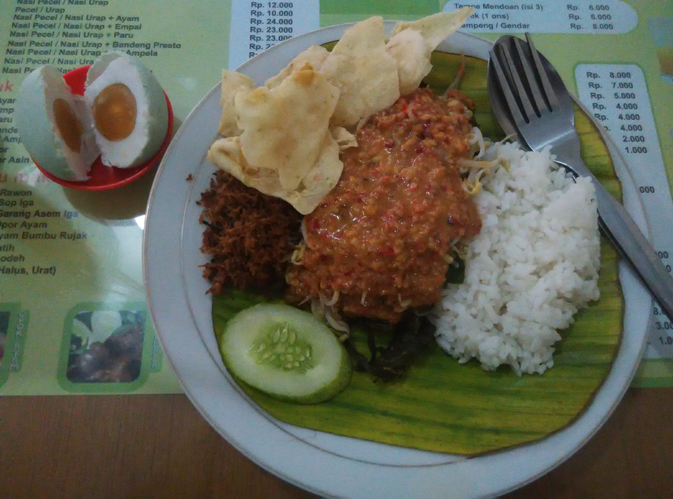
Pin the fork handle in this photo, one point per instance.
(620, 228)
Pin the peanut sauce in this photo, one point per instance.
(380, 237)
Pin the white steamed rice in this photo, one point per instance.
(534, 264)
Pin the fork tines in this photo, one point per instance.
(526, 87)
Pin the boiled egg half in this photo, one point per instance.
(54, 125)
(122, 117)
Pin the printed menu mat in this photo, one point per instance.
(71, 260)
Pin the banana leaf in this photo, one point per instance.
(441, 405)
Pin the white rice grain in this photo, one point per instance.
(534, 264)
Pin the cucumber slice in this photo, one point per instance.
(286, 353)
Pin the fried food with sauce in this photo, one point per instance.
(378, 243)
(280, 138)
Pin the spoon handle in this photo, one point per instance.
(620, 228)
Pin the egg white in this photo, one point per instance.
(152, 111)
(34, 114)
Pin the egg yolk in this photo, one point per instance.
(68, 124)
(114, 112)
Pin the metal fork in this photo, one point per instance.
(530, 100)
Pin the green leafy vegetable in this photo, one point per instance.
(455, 274)
(407, 339)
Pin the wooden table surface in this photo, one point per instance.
(159, 446)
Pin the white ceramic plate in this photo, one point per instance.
(323, 463)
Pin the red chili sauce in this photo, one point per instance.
(380, 237)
